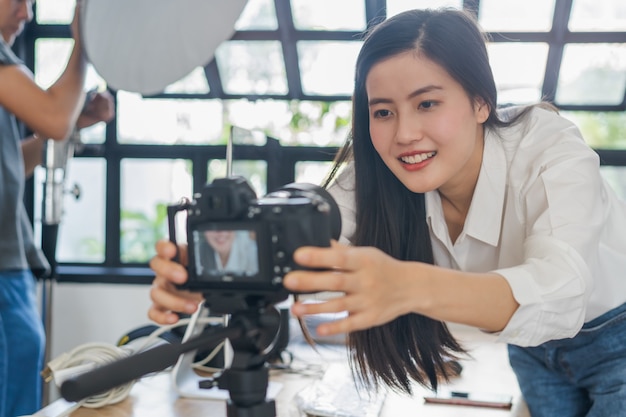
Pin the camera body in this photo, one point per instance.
(240, 247)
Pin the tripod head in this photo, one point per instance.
(247, 378)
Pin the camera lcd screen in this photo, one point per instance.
(225, 254)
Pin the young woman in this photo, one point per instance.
(454, 211)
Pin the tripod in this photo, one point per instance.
(251, 333)
(248, 376)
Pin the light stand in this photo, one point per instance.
(55, 161)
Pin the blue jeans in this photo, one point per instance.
(581, 376)
(21, 345)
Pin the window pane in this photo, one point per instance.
(318, 123)
(327, 68)
(270, 116)
(258, 15)
(396, 6)
(592, 74)
(81, 237)
(594, 15)
(94, 134)
(518, 69)
(147, 188)
(241, 136)
(603, 130)
(54, 11)
(194, 83)
(51, 56)
(294, 122)
(254, 67)
(312, 172)
(315, 15)
(93, 80)
(168, 121)
(516, 15)
(616, 177)
(255, 172)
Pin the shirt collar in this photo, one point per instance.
(484, 218)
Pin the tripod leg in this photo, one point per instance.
(46, 301)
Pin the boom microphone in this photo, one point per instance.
(133, 367)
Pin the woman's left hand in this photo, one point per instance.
(374, 286)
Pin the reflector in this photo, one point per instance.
(144, 45)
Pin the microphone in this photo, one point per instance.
(133, 367)
(119, 372)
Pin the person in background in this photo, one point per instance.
(50, 114)
(454, 210)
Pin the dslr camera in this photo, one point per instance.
(240, 247)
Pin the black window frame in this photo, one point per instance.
(281, 160)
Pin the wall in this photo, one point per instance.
(85, 313)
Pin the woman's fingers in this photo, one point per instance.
(167, 301)
(308, 281)
(337, 256)
(166, 249)
(340, 326)
(172, 271)
(167, 298)
(335, 305)
(165, 294)
(336, 262)
(372, 295)
(161, 315)
(357, 319)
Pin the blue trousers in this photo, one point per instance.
(22, 342)
(581, 376)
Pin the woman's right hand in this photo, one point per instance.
(167, 299)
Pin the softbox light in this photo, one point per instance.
(144, 45)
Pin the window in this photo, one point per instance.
(281, 87)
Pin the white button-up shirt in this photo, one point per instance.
(543, 218)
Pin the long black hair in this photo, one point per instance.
(392, 218)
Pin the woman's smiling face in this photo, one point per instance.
(423, 124)
(220, 240)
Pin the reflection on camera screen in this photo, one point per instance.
(222, 253)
